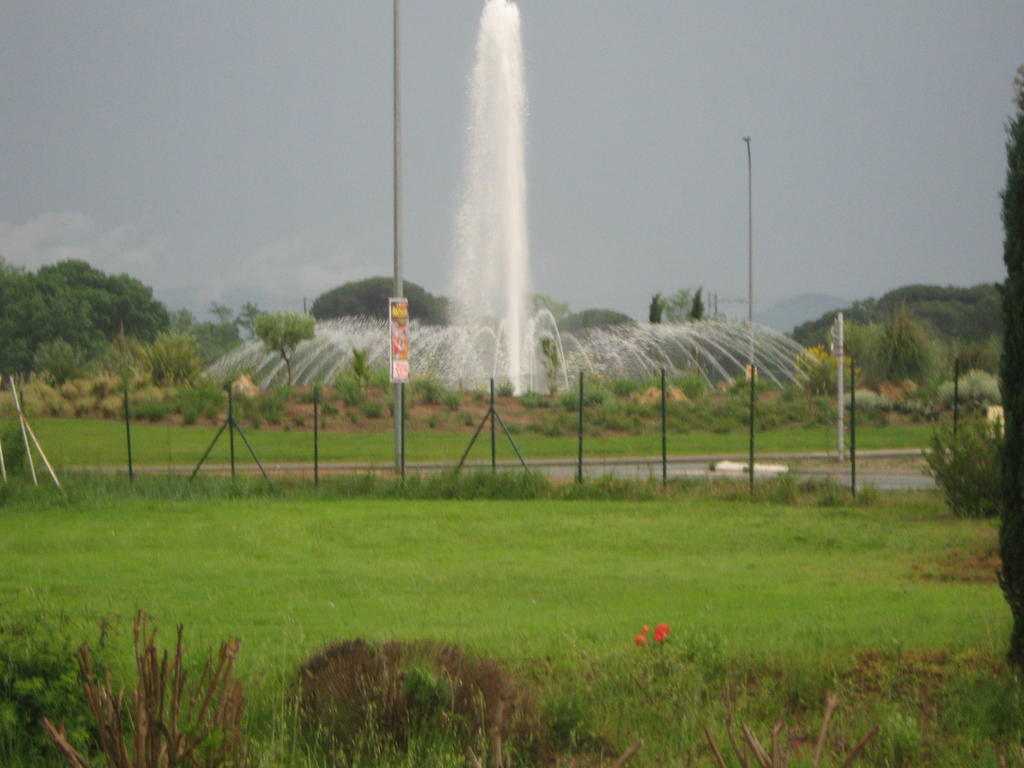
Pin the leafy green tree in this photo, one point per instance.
(224, 314)
(282, 332)
(246, 319)
(1011, 531)
(58, 361)
(558, 309)
(369, 298)
(593, 318)
(677, 306)
(213, 339)
(656, 309)
(73, 301)
(961, 314)
(18, 312)
(109, 302)
(181, 321)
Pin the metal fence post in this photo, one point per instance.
(753, 394)
(579, 459)
(316, 435)
(494, 445)
(664, 434)
(853, 429)
(231, 431)
(128, 435)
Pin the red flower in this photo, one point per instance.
(640, 640)
(645, 629)
(660, 633)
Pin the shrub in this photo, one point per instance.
(350, 389)
(966, 468)
(58, 361)
(362, 696)
(204, 399)
(270, 405)
(905, 348)
(39, 678)
(869, 401)
(592, 396)
(171, 720)
(372, 409)
(831, 494)
(819, 370)
(151, 409)
(14, 448)
(533, 400)
(900, 737)
(623, 387)
(693, 386)
(976, 389)
(111, 407)
(426, 391)
(451, 399)
(172, 359)
(122, 359)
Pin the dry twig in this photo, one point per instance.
(170, 722)
(627, 755)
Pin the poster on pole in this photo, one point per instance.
(398, 322)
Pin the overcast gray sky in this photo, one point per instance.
(241, 151)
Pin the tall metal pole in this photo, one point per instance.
(399, 289)
(750, 302)
(750, 252)
(840, 341)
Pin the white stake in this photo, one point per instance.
(3, 467)
(39, 448)
(24, 433)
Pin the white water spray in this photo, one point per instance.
(492, 251)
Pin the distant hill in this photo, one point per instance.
(966, 314)
(788, 314)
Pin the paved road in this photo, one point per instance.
(633, 467)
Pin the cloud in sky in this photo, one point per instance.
(272, 275)
(242, 151)
(52, 237)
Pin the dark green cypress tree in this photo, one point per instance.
(656, 309)
(1011, 530)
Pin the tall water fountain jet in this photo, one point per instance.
(492, 334)
(491, 278)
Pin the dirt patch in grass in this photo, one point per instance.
(977, 566)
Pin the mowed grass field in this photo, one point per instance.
(95, 442)
(514, 579)
(893, 605)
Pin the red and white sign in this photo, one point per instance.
(398, 321)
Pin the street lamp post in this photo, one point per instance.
(750, 253)
(399, 289)
(750, 306)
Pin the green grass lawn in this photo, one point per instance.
(512, 578)
(91, 442)
(770, 606)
